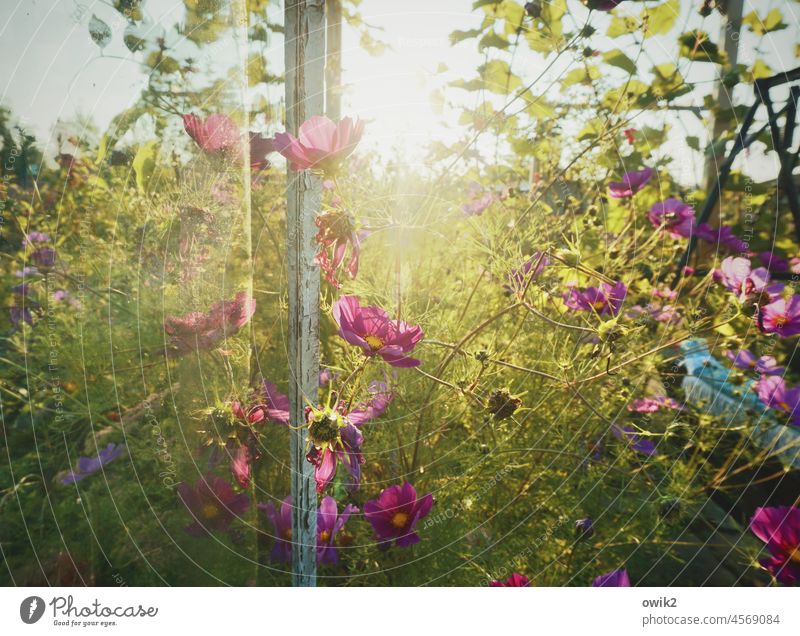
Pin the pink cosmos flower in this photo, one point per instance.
(745, 359)
(781, 316)
(749, 285)
(337, 232)
(631, 183)
(515, 580)
(212, 503)
(653, 404)
(371, 329)
(477, 200)
(282, 525)
(395, 513)
(329, 524)
(333, 439)
(199, 331)
(667, 314)
(616, 578)
(518, 278)
(216, 134)
(321, 144)
(674, 217)
(774, 393)
(607, 299)
(240, 466)
(779, 528)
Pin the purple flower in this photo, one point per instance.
(745, 359)
(772, 391)
(332, 438)
(26, 272)
(395, 513)
(329, 523)
(749, 285)
(282, 525)
(44, 257)
(90, 465)
(321, 144)
(519, 277)
(378, 400)
(212, 503)
(639, 444)
(631, 183)
(36, 237)
(653, 404)
(773, 263)
(781, 317)
(275, 405)
(607, 299)
(674, 217)
(779, 528)
(616, 578)
(240, 466)
(371, 329)
(202, 331)
(584, 528)
(477, 200)
(515, 580)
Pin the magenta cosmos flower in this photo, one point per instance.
(674, 217)
(653, 404)
(773, 263)
(607, 299)
(631, 183)
(333, 439)
(640, 444)
(371, 329)
(515, 580)
(395, 513)
(748, 284)
(616, 578)
(781, 316)
(321, 144)
(329, 524)
(202, 331)
(212, 503)
(216, 134)
(91, 465)
(530, 269)
(779, 528)
(773, 392)
(337, 234)
(746, 359)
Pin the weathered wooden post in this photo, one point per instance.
(333, 61)
(305, 97)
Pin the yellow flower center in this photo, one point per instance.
(784, 406)
(599, 305)
(399, 520)
(209, 511)
(324, 536)
(794, 555)
(780, 321)
(287, 534)
(374, 342)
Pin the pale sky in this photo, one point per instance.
(51, 68)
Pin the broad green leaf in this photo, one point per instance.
(772, 22)
(693, 142)
(580, 76)
(617, 58)
(102, 150)
(498, 78)
(660, 20)
(460, 36)
(697, 46)
(492, 40)
(591, 130)
(144, 164)
(622, 25)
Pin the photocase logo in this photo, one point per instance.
(31, 609)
